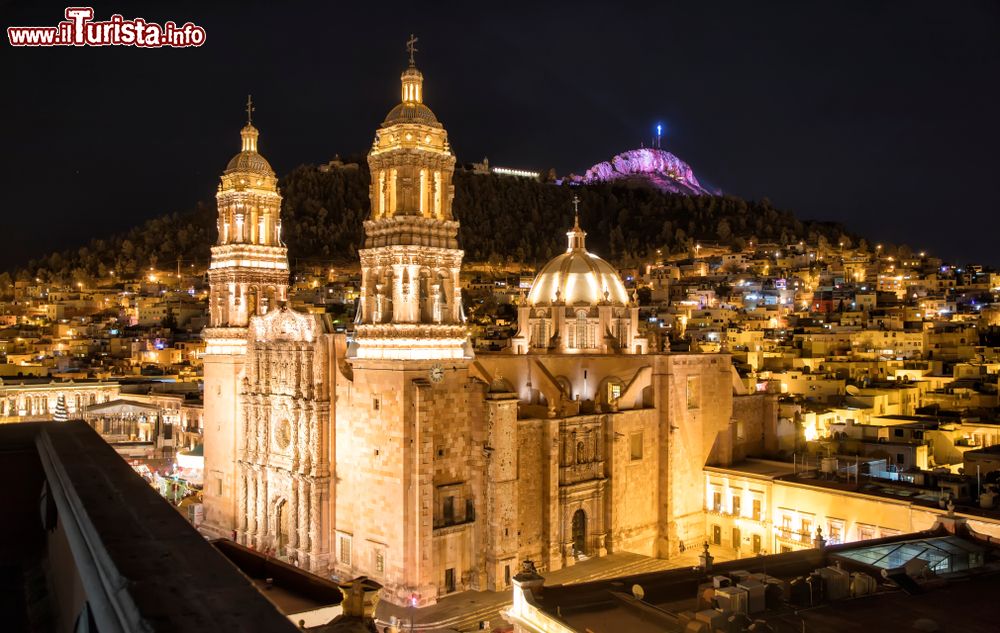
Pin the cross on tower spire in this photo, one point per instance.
(250, 110)
(576, 235)
(411, 47)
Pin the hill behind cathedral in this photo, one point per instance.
(502, 219)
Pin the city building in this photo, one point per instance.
(34, 399)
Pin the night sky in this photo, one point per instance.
(880, 115)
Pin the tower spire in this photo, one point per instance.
(249, 132)
(577, 236)
(412, 79)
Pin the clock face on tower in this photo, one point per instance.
(437, 373)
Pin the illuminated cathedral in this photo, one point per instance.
(397, 453)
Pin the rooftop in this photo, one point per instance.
(106, 544)
(946, 576)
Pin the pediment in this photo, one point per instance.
(284, 325)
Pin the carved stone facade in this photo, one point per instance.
(282, 456)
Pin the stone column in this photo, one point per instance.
(262, 526)
(455, 304)
(250, 513)
(305, 544)
(241, 504)
(397, 293)
(295, 359)
(307, 380)
(553, 519)
(303, 451)
(314, 528)
(293, 516)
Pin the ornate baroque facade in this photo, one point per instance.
(282, 456)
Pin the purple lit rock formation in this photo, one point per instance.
(652, 167)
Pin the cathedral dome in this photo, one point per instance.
(577, 277)
(248, 159)
(411, 113)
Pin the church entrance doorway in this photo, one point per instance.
(282, 528)
(579, 533)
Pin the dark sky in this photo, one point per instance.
(881, 115)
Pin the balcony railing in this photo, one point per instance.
(797, 536)
(724, 512)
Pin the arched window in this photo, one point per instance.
(581, 333)
(621, 331)
(540, 333)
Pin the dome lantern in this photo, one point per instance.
(249, 135)
(413, 80)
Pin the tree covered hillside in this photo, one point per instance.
(502, 218)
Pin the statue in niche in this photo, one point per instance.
(438, 300)
(379, 308)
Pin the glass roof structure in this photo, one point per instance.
(942, 554)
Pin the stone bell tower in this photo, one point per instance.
(247, 276)
(410, 297)
(415, 466)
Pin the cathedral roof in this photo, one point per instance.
(577, 277)
(250, 161)
(411, 113)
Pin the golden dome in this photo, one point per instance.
(411, 108)
(577, 277)
(248, 159)
(411, 113)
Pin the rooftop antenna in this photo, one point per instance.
(250, 110)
